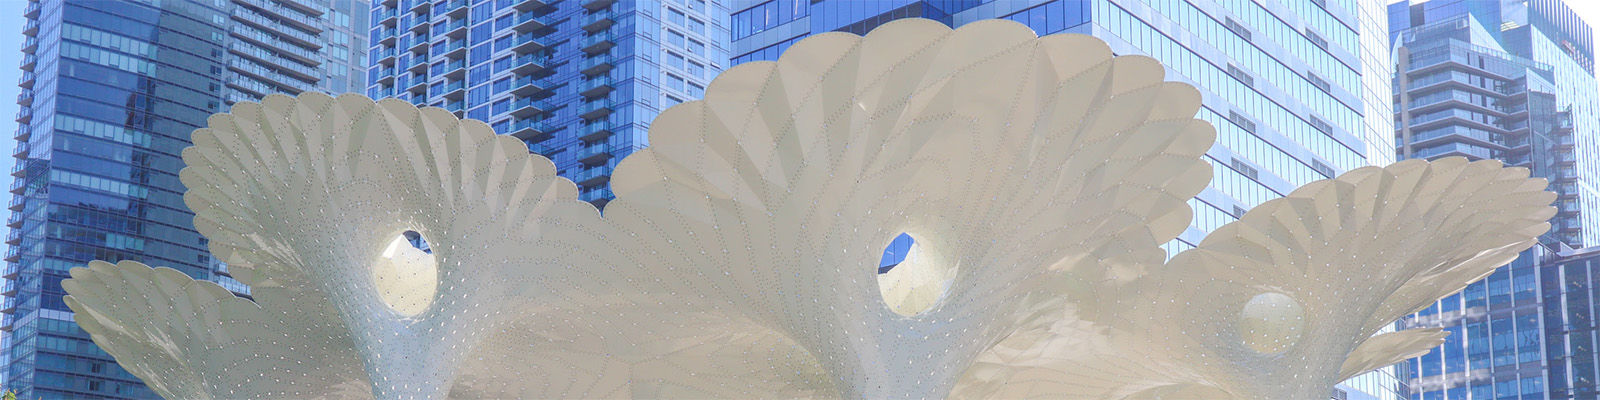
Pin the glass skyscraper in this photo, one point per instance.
(1512, 81)
(111, 92)
(1298, 89)
(578, 80)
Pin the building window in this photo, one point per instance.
(697, 26)
(675, 38)
(696, 69)
(674, 60)
(675, 16)
(767, 15)
(696, 47)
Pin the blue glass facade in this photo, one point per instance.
(1298, 90)
(111, 92)
(578, 81)
(1508, 81)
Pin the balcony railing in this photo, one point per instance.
(290, 14)
(591, 176)
(246, 14)
(383, 15)
(598, 152)
(596, 194)
(595, 65)
(594, 131)
(596, 21)
(597, 43)
(596, 86)
(595, 109)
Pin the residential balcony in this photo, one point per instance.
(531, 21)
(444, 70)
(418, 86)
(594, 153)
(25, 97)
(596, 21)
(592, 176)
(592, 5)
(532, 63)
(455, 50)
(24, 115)
(1455, 149)
(419, 43)
(31, 27)
(382, 93)
(417, 65)
(595, 87)
(454, 106)
(26, 80)
(383, 16)
(599, 194)
(529, 85)
(385, 36)
(452, 9)
(419, 6)
(249, 50)
(533, 130)
(594, 131)
(28, 61)
(19, 169)
(29, 45)
(32, 11)
(528, 107)
(534, 5)
(272, 42)
(597, 43)
(453, 90)
(23, 133)
(383, 55)
(286, 83)
(385, 76)
(419, 23)
(454, 29)
(277, 25)
(305, 8)
(595, 65)
(595, 109)
(17, 201)
(528, 42)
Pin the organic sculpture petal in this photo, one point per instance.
(305, 198)
(1038, 176)
(1286, 301)
(1023, 167)
(195, 340)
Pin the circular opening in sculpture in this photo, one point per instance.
(910, 276)
(406, 275)
(1271, 322)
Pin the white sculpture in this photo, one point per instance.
(1039, 177)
